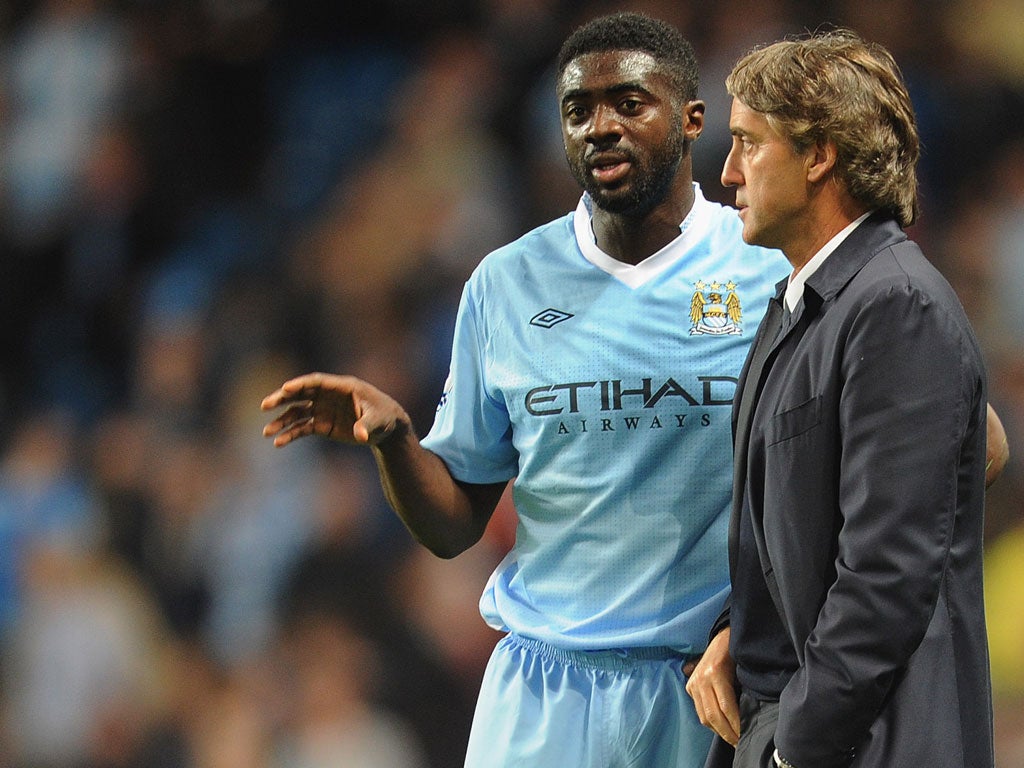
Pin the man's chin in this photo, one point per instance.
(619, 201)
(750, 234)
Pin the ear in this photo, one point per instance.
(693, 119)
(821, 159)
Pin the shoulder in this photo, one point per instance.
(547, 254)
(545, 241)
(902, 268)
(720, 228)
(877, 262)
(900, 290)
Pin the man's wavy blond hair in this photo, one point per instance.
(834, 86)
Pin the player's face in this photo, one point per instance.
(771, 180)
(625, 133)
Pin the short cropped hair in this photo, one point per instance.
(629, 31)
(834, 86)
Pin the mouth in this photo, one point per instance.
(608, 169)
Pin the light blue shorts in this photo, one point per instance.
(542, 707)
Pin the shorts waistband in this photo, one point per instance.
(611, 659)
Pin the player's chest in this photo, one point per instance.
(640, 351)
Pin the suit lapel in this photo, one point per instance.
(875, 234)
(864, 243)
(748, 389)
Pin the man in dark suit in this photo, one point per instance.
(856, 632)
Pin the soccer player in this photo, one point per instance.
(594, 362)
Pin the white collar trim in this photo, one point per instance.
(795, 288)
(690, 229)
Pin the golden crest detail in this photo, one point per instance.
(715, 309)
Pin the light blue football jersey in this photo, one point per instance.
(605, 390)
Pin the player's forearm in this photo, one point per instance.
(443, 515)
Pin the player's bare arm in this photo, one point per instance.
(712, 686)
(444, 515)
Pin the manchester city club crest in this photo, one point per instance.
(712, 314)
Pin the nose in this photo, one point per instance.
(604, 126)
(731, 176)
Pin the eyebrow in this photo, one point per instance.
(614, 90)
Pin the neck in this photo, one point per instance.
(826, 221)
(631, 239)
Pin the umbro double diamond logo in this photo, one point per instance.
(549, 317)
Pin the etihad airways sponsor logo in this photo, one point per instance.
(614, 395)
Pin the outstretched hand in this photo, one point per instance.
(342, 408)
(712, 686)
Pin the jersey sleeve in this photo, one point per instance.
(472, 431)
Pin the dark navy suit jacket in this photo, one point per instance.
(863, 468)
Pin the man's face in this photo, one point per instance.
(770, 176)
(623, 129)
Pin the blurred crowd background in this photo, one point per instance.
(202, 198)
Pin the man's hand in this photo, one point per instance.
(712, 686)
(342, 408)
(998, 448)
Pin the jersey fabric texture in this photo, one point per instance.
(605, 390)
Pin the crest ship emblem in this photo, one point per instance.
(711, 314)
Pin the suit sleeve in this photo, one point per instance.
(910, 395)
